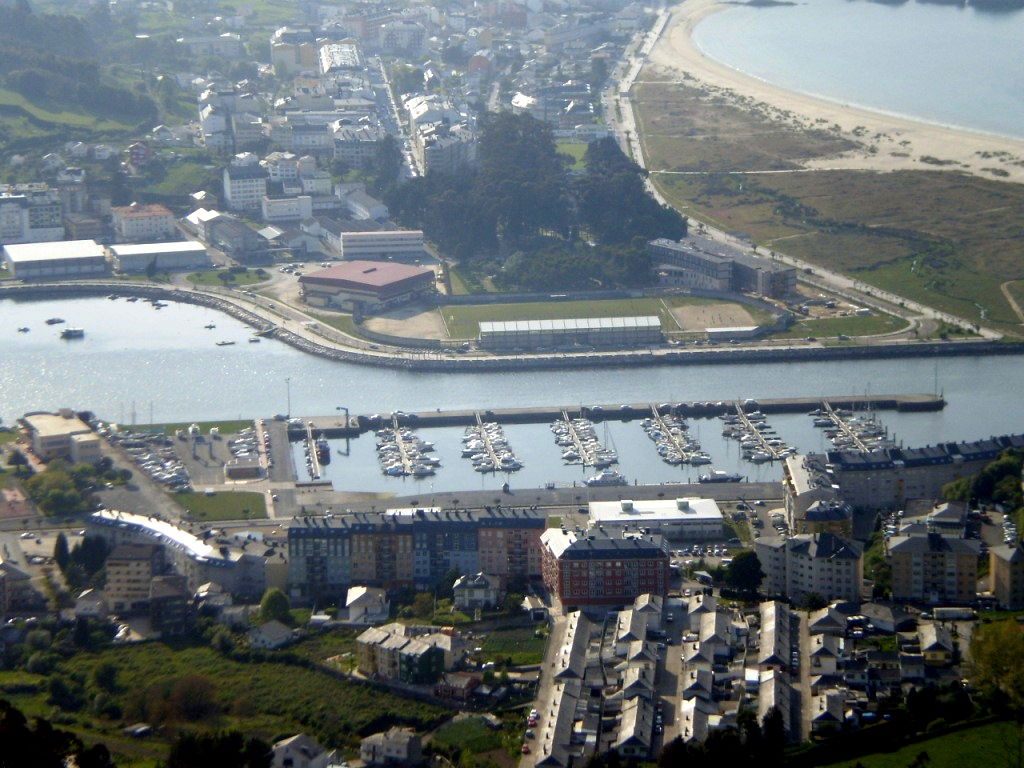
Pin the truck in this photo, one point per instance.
(954, 614)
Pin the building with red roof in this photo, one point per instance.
(366, 285)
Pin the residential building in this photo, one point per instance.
(238, 571)
(160, 257)
(947, 518)
(29, 214)
(1006, 574)
(278, 208)
(410, 547)
(812, 498)
(934, 569)
(130, 568)
(683, 518)
(142, 223)
(301, 751)
(394, 747)
(293, 50)
(270, 635)
(367, 605)
(887, 478)
(357, 145)
(55, 260)
(61, 435)
(597, 569)
(224, 46)
(170, 611)
(362, 286)
(397, 652)
(936, 643)
(245, 186)
(338, 57)
(819, 563)
(475, 592)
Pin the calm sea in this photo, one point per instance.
(941, 62)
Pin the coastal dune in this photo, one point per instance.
(898, 143)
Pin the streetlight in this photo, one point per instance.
(347, 438)
(288, 390)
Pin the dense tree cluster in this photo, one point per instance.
(550, 229)
(52, 58)
(43, 746)
(998, 481)
(750, 743)
(221, 750)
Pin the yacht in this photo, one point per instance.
(23, 329)
(55, 320)
(607, 477)
(225, 343)
(720, 476)
(73, 333)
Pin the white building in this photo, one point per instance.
(399, 244)
(367, 605)
(819, 563)
(286, 208)
(337, 57)
(301, 751)
(245, 186)
(56, 260)
(33, 218)
(62, 436)
(162, 257)
(691, 518)
(480, 590)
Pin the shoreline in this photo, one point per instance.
(408, 360)
(905, 140)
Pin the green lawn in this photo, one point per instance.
(227, 427)
(518, 644)
(470, 734)
(341, 322)
(7, 436)
(994, 743)
(269, 699)
(232, 279)
(463, 321)
(870, 325)
(58, 116)
(183, 178)
(224, 505)
(576, 150)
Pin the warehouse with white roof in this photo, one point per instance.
(163, 257)
(55, 260)
(691, 518)
(530, 335)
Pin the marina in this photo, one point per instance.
(487, 448)
(757, 439)
(849, 431)
(674, 445)
(578, 437)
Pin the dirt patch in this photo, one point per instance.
(413, 321)
(699, 317)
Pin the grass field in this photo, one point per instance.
(227, 427)
(7, 436)
(939, 237)
(224, 505)
(182, 179)
(576, 150)
(825, 327)
(470, 734)
(58, 117)
(993, 743)
(343, 323)
(518, 644)
(212, 277)
(269, 699)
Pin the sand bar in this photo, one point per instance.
(904, 142)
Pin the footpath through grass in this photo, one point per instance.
(228, 278)
(224, 505)
(992, 744)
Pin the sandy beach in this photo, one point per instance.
(887, 142)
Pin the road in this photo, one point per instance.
(619, 114)
(545, 690)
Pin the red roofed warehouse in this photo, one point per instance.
(366, 285)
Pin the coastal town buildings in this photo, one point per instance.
(362, 286)
(934, 569)
(822, 564)
(1006, 574)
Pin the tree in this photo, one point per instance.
(222, 750)
(423, 605)
(996, 653)
(813, 602)
(61, 553)
(744, 573)
(104, 676)
(275, 606)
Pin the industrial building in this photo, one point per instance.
(701, 263)
(587, 569)
(385, 244)
(161, 257)
(366, 285)
(529, 335)
(61, 436)
(675, 518)
(410, 547)
(55, 261)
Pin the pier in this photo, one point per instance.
(400, 442)
(486, 438)
(331, 426)
(586, 455)
(679, 447)
(751, 429)
(843, 427)
(314, 458)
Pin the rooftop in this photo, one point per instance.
(372, 273)
(148, 248)
(654, 510)
(60, 249)
(135, 210)
(570, 324)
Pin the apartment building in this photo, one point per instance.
(934, 569)
(587, 569)
(817, 563)
(130, 570)
(697, 262)
(812, 498)
(31, 216)
(245, 186)
(410, 547)
(386, 244)
(136, 222)
(1006, 573)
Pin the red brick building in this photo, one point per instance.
(587, 569)
(366, 285)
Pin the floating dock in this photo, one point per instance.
(333, 426)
